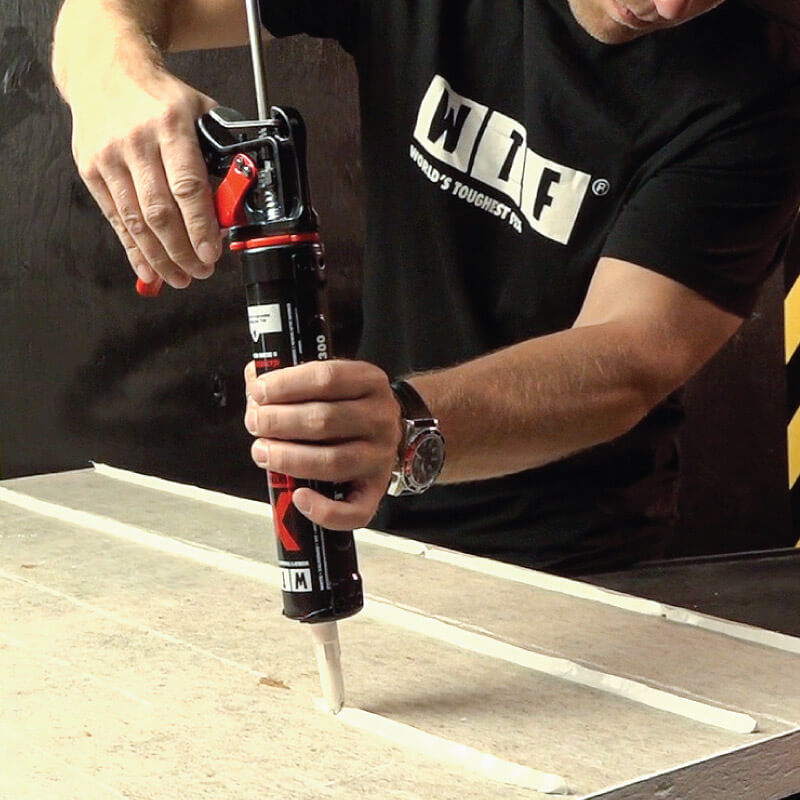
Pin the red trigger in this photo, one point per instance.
(229, 197)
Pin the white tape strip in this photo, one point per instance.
(208, 556)
(508, 572)
(401, 617)
(450, 752)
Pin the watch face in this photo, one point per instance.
(427, 460)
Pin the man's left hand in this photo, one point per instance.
(335, 421)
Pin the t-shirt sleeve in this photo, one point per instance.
(329, 19)
(717, 219)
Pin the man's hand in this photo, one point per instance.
(334, 421)
(135, 146)
(133, 135)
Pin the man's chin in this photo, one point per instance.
(613, 33)
(604, 28)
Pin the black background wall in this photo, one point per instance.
(89, 371)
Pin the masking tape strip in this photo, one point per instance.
(496, 569)
(401, 617)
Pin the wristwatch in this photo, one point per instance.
(420, 456)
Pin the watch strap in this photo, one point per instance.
(411, 403)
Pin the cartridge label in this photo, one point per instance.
(264, 319)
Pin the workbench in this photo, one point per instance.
(143, 655)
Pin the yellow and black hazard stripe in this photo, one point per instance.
(791, 314)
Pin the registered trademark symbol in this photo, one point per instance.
(600, 187)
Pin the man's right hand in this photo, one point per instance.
(133, 137)
(135, 146)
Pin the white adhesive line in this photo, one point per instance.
(454, 753)
(496, 569)
(403, 735)
(402, 617)
(444, 750)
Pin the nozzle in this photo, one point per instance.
(325, 636)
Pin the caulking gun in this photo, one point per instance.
(264, 201)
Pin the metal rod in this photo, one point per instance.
(257, 57)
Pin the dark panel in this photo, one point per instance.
(734, 493)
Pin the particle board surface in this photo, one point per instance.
(140, 673)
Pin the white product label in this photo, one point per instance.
(296, 580)
(264, 319)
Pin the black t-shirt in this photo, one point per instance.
(505, 151)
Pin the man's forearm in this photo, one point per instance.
(540, 400)
(638, 337)
(92, 34)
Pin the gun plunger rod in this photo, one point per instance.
(257, 57)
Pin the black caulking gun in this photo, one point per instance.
(264, 202)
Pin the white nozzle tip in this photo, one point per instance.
(325, 636)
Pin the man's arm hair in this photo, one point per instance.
(159, 26)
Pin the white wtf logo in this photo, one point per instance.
(492, 148)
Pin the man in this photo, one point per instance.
(569, 210)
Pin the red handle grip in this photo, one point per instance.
(149, 289)
(228, 204)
